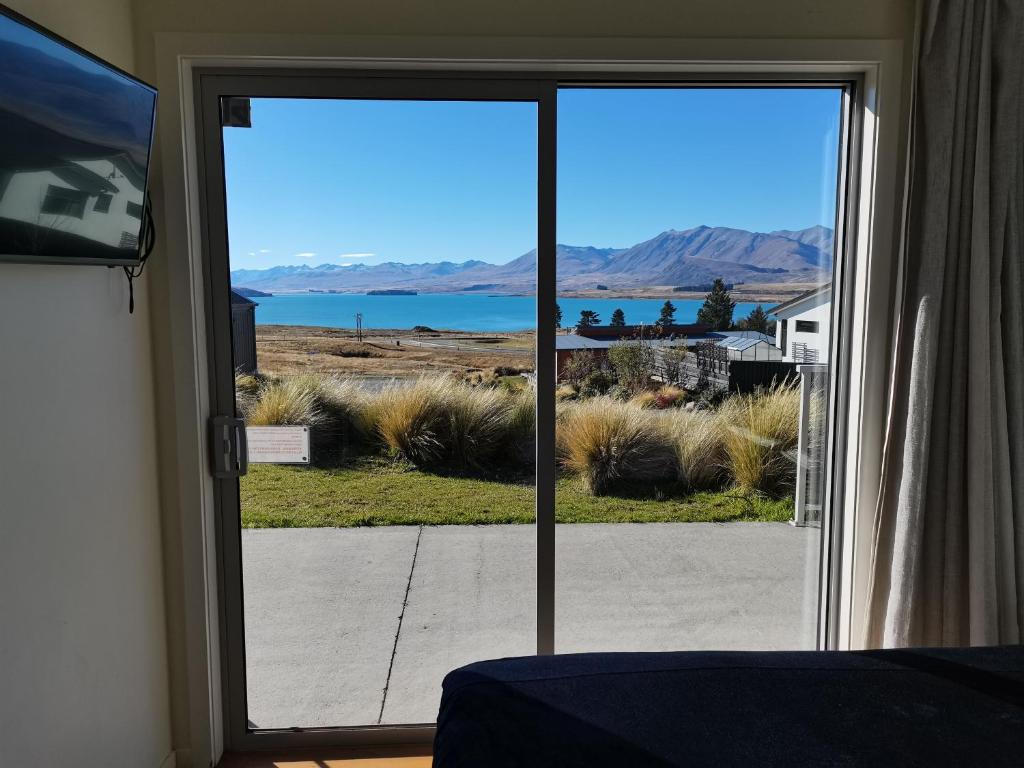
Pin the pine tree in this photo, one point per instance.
(718, 308)
(588, 318)
(757, 320)
(618, 318)
(668, 315)
(558, 316)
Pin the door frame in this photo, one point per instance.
(210, 83)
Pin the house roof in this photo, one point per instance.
(647, 331)
(797, 300)
(574, 342)
(237, 298)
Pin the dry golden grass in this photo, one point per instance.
(605, 442)
(439, 420)
(284, 403)
(290, 350)
(760, 433)
(700, 446)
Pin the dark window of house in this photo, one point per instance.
(62, 201)
(134, 209)
(102, 204)
(782, 334)
(806, 326)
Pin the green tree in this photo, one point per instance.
(558, 315)
(718, 308)
(618, 318)
(588, 319)
(757, 320)
(668, 315)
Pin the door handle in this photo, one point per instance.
(229, 449)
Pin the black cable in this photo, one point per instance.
(148, 242)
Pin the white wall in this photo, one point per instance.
(820, 314)
(83, 670)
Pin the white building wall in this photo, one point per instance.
(822, 315)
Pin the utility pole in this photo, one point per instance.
(359, 326)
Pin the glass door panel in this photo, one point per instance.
(383, 277)
(695, 267)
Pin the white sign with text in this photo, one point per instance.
(278, 445)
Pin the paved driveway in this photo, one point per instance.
(358, 626)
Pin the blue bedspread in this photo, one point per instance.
(925, 707)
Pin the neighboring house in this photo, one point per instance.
(243, 333)
(739, 345)
(565, 346)
(803, 326)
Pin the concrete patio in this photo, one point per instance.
(358, 626)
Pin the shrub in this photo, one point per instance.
(673, 364)
(606, 442)
(509, 370)
(581, 364)
(711, 398)
(633, 363)
(597, 382)
(700, 448)
(618, 392)
(760, 435)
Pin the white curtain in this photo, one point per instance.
(948, 557)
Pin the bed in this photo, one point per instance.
(894, 707)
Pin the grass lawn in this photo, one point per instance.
(381, 492)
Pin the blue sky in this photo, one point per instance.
(347, 182)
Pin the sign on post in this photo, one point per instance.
(278, 445)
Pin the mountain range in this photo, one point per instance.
(690, 257)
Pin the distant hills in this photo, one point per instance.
(688, 257)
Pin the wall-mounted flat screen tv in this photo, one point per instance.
(75, 140)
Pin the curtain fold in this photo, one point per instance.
(948, 549)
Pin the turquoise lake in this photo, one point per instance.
(457, 312)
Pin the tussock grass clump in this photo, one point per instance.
(522, 427)
(760, 433)
(408, 418)
(700, 447)
(436, 422)
(606, 442)
(476, 424)
(285, 403)
(335, 407)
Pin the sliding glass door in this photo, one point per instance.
(696, 231)
(469, 435)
